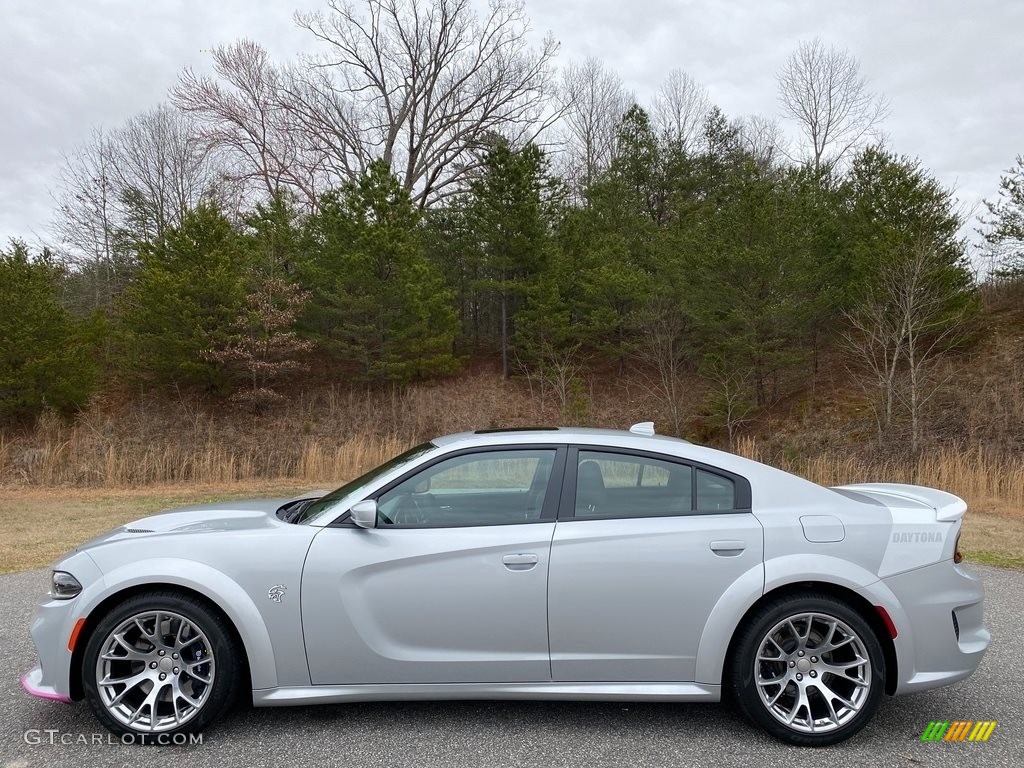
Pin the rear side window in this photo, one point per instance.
(620, 485)
(610, 484)
(715, 493)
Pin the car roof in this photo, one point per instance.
(553, 435)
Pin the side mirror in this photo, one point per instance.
(364, 513)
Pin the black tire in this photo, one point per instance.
(744, 689)
(223, 689)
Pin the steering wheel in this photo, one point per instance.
(409, 511)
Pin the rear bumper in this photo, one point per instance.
(943, 637)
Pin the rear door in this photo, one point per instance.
(645, 545)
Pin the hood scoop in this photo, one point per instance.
(138, 530)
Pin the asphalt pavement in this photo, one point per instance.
(393, 735)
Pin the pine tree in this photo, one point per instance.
(510, 209)
(378, 304)
(190, 289)
(1005, 223)
(263, 349)
(45, 358)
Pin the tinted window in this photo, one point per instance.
(487, 488)
(714, 492)
(620, 485)
(334, 498)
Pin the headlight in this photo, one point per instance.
(64, 586)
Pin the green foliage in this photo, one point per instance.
(637, 172)
(45, 355)
(893, 209)
(275, 236)
(190, 288)
(758, 273)
(378, 304)
(1005, 225)
(706, 260)
(509, 208)
(890, 205)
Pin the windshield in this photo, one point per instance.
(337, 497)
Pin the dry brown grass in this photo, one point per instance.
(70, 462)
(64, 482)
(320, 435)
(40, 524)
(989, 482)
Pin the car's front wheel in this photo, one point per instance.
(160, 664)
(809, 669)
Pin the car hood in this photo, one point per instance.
(242, 515)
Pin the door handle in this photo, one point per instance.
(523, 561)
(728, 548)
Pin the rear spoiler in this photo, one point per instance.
(948, 508)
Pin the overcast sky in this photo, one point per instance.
(953, 70)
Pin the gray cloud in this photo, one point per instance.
(952, 70)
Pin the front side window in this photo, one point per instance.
(484, 488)
(337, 498)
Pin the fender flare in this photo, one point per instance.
(779, 572)
(212, 584)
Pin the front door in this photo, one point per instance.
(451, 584)
(640, 557)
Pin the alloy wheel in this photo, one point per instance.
(155, 671)
(813, 672)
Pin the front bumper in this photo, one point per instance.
(32, 682)
(52, 630)
(944, 635)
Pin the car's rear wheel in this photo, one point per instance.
(158, 665)
(809, 669)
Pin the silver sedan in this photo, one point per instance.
(523, 564)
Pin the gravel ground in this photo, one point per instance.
(523, 733)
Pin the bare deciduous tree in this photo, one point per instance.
(557, 371)
(162, 169)
(593, 102)
(730, 402)
(822, 89)
(901, 327)
(663, 349)
(762, 137)
(140, 179)
(680, 108)
(417, 83)
(87, 217)
(427, 80)
(242, 114)
(875, 344)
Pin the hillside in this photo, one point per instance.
(323, 432)
(66, 480)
